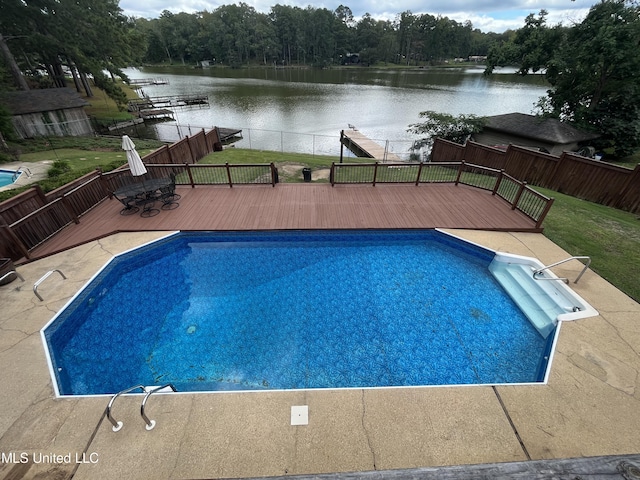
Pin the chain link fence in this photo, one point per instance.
(282, 141)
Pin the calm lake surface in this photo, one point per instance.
(303, 110)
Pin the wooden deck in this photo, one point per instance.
(304, 206)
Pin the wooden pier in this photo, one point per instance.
(128, 123)
(362, 146)
(141, 82)
(229, 135)
(150, 103)
(156, 114)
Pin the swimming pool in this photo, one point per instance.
(7, 177)
(291, 310)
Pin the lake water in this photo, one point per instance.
(305, 109)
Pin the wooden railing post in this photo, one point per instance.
(523, 185)
(375, 173)
(102, 183)
(460, 169)
(40, 193)
(419, 173)
(193, 185)
(274, 174)
(332, 172)
(543, 215)
(229, 174)
(69, 209)
(15, 240)
(498, 182)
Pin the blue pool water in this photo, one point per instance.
(7, 177)
(290, 310)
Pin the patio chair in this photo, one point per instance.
(168, 195)
(129, 203)
(148, 206)
(176, 196)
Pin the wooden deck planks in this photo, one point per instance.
(304, 206)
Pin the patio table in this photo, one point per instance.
(143, 193)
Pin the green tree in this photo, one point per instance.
(592, 68)
(442, 125)
(595, 76)
(531, 48)
(88, 37)
(285, 21)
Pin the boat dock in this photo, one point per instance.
(141, 82)
(128, 123)
(156, 114)
(149, 103)
(157, 108)
(362, 146)
(229, 135)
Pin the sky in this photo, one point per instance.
(486, 15)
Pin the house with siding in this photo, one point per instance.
(548, 135)
(46, 112)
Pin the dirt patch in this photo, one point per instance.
(290, 170)
(294, 170)
(321, 174)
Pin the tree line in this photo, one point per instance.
(237, 35)
(48, 39)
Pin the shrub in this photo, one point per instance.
(58, 168)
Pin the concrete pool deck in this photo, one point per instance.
(590, 406)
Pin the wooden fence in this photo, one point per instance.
(522, 198)
(30, 218)
(571, 174)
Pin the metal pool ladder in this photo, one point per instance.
(152, 423)
(42, 279)
(566, 280)
(20, 170)
(149, 423)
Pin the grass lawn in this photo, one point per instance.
(80, 154)
(289, 165)
(104, 110)
(610, 237)
(82, 159)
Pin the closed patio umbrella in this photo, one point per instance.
(133, 157)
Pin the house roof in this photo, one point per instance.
(538, 128)
(41, 100)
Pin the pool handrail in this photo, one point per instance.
(42, 279)
(20, 171)
(152, 423)
(566, 280)
(118, 425)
